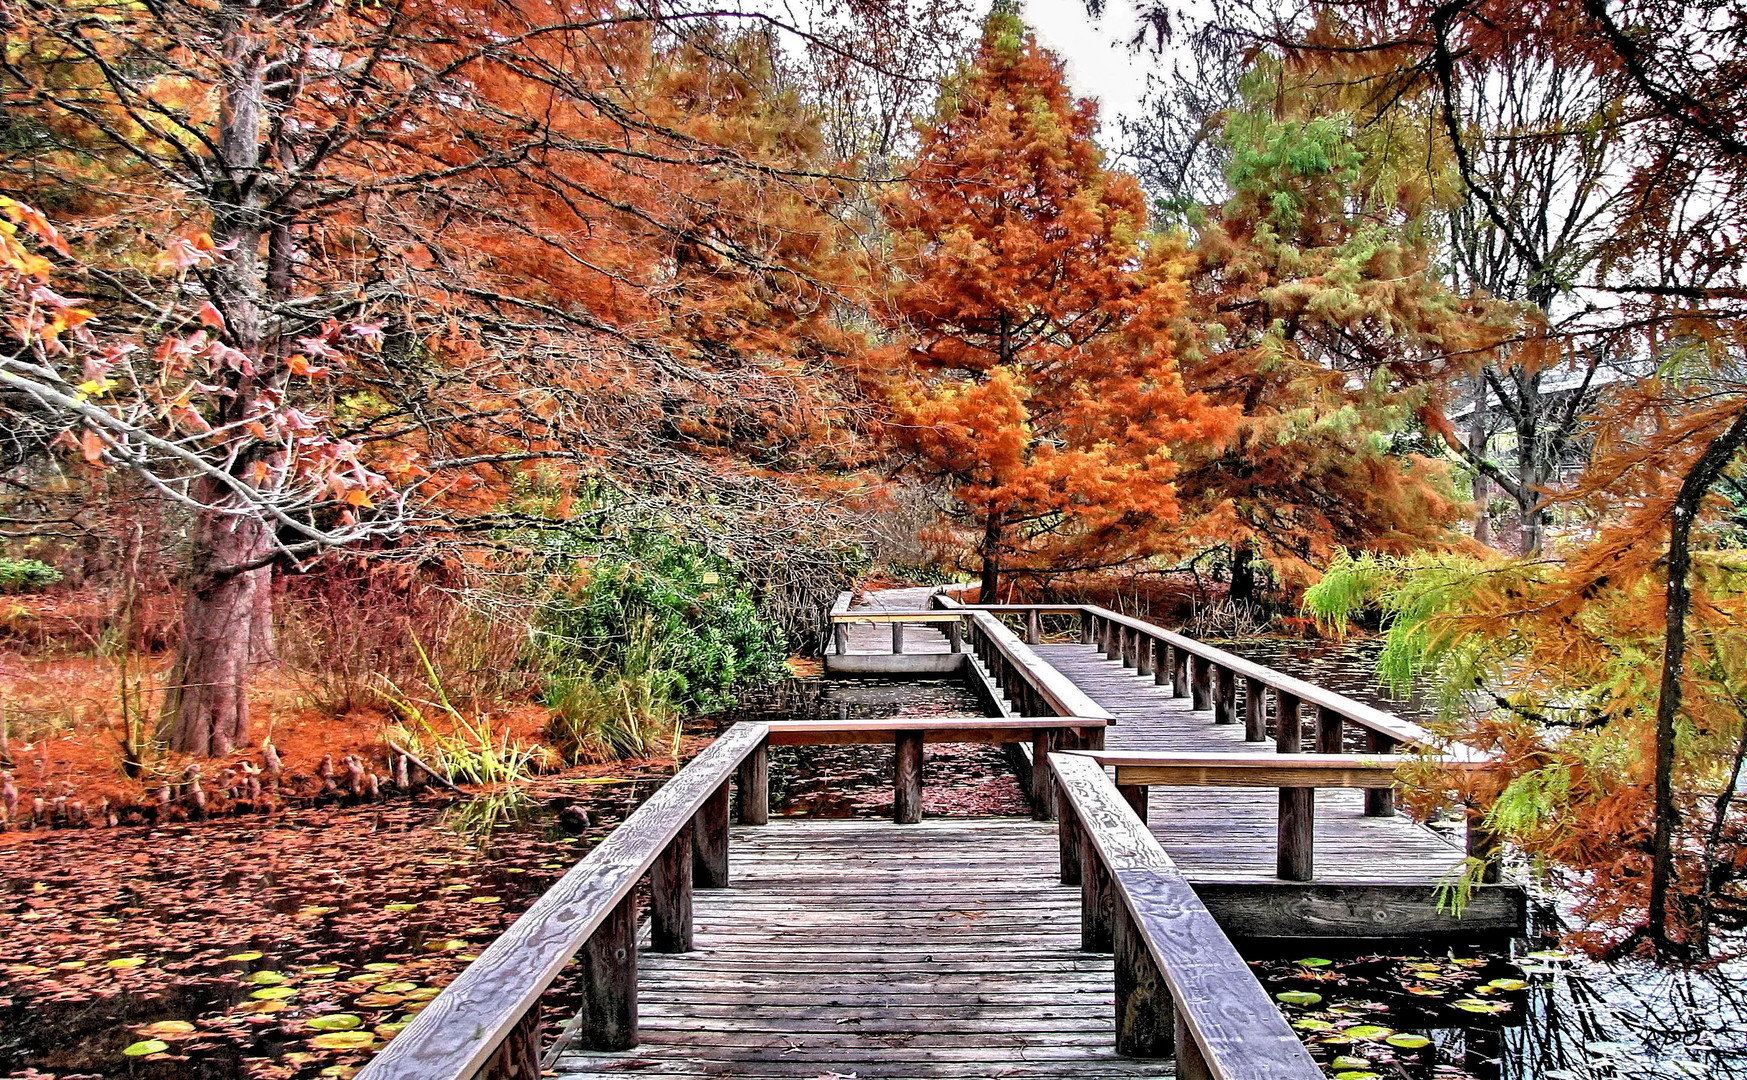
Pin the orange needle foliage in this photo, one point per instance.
(1034, 372)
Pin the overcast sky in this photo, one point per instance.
(1100, 63)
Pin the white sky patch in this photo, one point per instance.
(1100, 62)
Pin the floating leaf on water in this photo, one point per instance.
(272, 1006)
(273, 993)
(1536, 969)
(322, 969)
(335, 1022)
(469, 957)
(396, 987)
(1298, 997)
(243, 956)
(450, 945)
(1348, 1061)
(70, 965)
(400, 907)
(125, 962)
(381, 965)
(1508, 984)
(456, 888)
(1368, 1032)
(340, 1072)
(1358, 1074)
(423, 993)
(389, 1031)
(1314, 962)
(369, 978)
(315, 909)
(166, 1027)
(1548, 954)
(1407, 1042)
(378, 1001)
(1424, 991)
(266, 978)
(1475, 1005)
(344, 1040)
(1311, 1023)
(146, 1046)
(485, 899)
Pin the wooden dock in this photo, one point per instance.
(868, 949)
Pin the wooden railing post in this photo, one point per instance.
(607, 1017)
(1330, 727)
(1145, 1015)
(1379, 802)
(755, 786)
(1200, 684)
(1161, 663)
(1225, 696)
(1485, 845)
(1135, 796)
(1295, 841)
(1295, 854)
(1191, 1065)
(1033, 628)
(1042, 781)
(518, 1056)
(840, 637)
(1255, 711)
(1088, 627)
(955, 635)
(710, 842)
(1072, 838)
(1097, 901)
(1107, 637)
(1125, 642)
(1143, 655)
(897, 638)
(670, 895)
(907, 779)
(1179, 672)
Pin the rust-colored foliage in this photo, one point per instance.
(1034, 371)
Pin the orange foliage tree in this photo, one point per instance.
(1033, 371)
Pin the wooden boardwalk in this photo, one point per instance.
(871, 950)
(1226, 835)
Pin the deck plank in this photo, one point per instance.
(940, 950)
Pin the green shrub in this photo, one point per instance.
(26, 575)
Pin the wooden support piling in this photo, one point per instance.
(1143, 655)
(1088, 628)
(710, 842)
(1225, 696)
(1145, 1015)
(897, 638)
(1072, 839)
(1295, 858)
(754, 787)
(1097, 901)
(1161, 663)
(607, 1019)
(1288, 728)
(1042, 780)
(1033, 628)
(955, 635)
(840, 637)
(1255, 711)
(670, 896)
(907, 779)
(1191, 1064)
(1179, 672)
(518, 1057)
(1200, 684)
(1379, 802)
(1330, 728)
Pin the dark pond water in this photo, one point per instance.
(241, 945)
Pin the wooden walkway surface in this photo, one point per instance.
(1227, 835)
(871, 950)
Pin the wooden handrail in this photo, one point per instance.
(1202, 768)
(1052, 689)
(1181, 987)
(486, 1011)
(934, 729)
(878, 615)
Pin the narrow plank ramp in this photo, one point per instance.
(1227, 835)
(870, 950)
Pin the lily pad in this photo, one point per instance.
(335, 1022)
(244, 956)
(1311, 1023)
(1298, 997)
(343, 1040)
(423, 993)
(1405, 1041)
(1314, 962)
(273, 993)
(400, 907)
(166, 1027)
(381, 965)
(1508, 984)
(369, 978)
(123, 963)
(266, 978)
(1548, 954)
(1368, 1032)
(395, 987)
(1358, 1074)
(389, 1031)
(1475, 1005)
(377, 1001)
(322, 969)
(1348, 1061)
(144, 1047)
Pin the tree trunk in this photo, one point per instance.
(206, 707)
(227, 620)
(1697, 482)
(1243, 573)
(1478, 430)
(991, 553)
